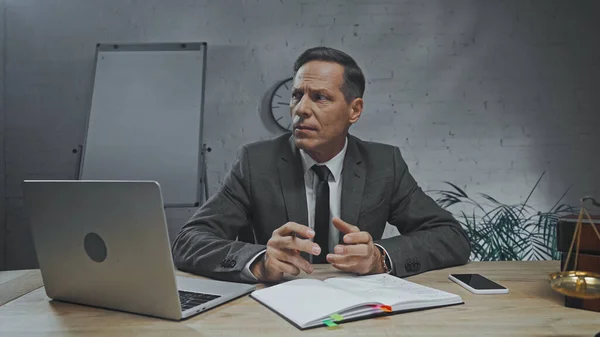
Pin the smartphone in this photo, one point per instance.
(478, 284)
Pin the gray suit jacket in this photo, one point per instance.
(265, 189)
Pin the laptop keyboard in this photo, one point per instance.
(189, 299)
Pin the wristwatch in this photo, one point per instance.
(385, 261)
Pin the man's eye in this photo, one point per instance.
(296, 95)
(320, 97)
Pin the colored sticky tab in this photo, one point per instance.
(382, 307)
(329, 323)
(337, 317)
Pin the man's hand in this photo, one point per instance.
(283, 253)
(359, 254)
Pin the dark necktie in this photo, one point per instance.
(322, 213)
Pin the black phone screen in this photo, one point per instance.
(477, 281)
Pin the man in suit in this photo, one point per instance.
(319, 195)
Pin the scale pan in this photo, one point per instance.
(578, 284)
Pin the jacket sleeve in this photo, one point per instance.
(206, 245)
(431, 238)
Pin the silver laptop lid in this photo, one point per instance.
(104, 243)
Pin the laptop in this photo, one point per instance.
(105, 244)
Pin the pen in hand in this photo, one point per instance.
(283, 254)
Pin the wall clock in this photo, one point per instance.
(279, 107)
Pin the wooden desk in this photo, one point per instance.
(531, 309)
(16, 283)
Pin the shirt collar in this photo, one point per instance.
(334, 164)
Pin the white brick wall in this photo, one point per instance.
(487, 95)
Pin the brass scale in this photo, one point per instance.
(574, 283)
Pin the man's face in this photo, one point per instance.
(317, 99)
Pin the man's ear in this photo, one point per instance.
(356, 108)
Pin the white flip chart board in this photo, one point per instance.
(146, 116)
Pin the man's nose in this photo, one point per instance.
(303, 108)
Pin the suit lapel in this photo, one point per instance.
(291, 177)
(353, 184)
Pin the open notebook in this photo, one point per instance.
(310, 303)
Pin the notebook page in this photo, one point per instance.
(393, 291)
(306, 300)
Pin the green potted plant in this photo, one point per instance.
(506, 232)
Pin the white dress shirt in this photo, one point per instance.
(311, 181)
(335, 166)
